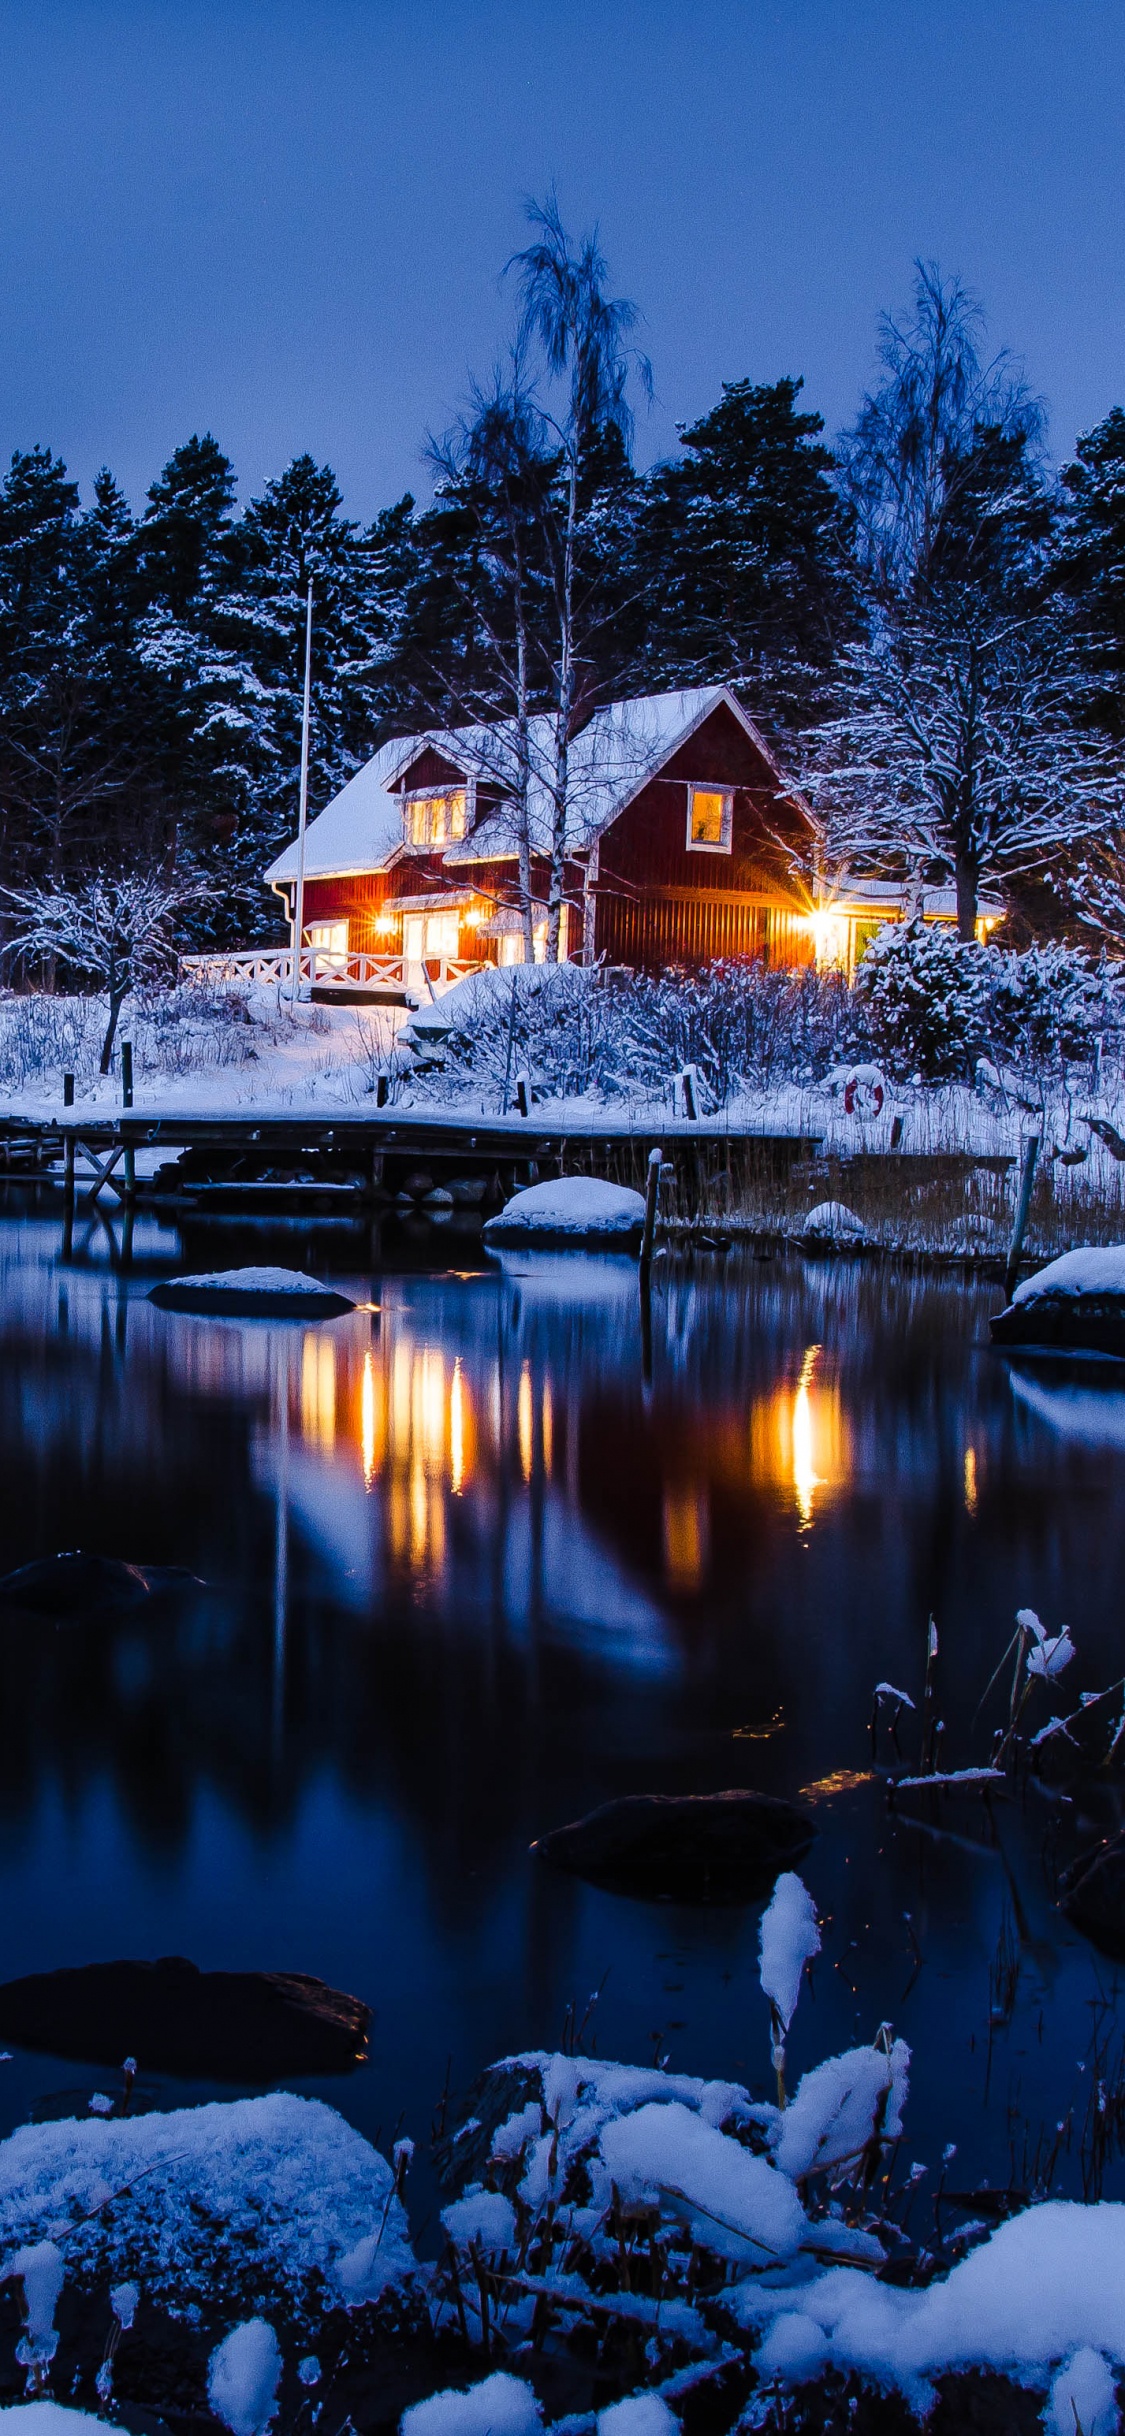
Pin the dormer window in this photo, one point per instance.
(710, 819)
(435, 820)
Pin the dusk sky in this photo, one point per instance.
(285, 222)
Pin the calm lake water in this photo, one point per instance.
(471, 1572)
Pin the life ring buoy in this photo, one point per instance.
(864, 1092)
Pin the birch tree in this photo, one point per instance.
(116, 930)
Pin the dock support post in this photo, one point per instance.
(68, 1091)
(126, 1073)
(68, 1197)
(1023, 1207)
(652, 1204)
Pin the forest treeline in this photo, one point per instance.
(151, 663)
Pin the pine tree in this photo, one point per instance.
(1092, 557)
(743, 546)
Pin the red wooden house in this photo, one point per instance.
(683, 844)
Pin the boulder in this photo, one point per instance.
(834, 1222)
(204, 2025)
(252, 1294)
(1092, 1894)
(574, 1210)
(73, 1585)
(1076, 1304)
(683, 1847)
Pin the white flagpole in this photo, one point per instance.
(302, 820)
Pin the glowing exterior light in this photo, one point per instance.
(831, 934)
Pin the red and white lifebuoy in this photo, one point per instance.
(864, 1092)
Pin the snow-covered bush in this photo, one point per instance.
(923, 996)
(576, 1031)
(933, 1004)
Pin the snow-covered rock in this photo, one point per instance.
(834, 1222)
(738, 2205)
(1075, 1303)
(261, 2197)
(1094, 1270)
(576, 1209)
(274, 1293)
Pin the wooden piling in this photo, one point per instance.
(1023, 1207)
(652, 1204)
(126, 1073)
(68, 1091)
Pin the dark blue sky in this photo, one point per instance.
(285, 221)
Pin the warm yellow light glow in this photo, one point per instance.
(830, 932)
(548, 1426)
(684, 1519)
(367, 1419)
(472, 917)
(400, 1400)
(384, 924)
(970, 1480)
(524, 1420)
(428, 1415)
(799, 1439)
(456, 1432)
(805, 1477)
(318, 1391)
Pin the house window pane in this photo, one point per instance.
(709, 824)
(431, 820)
(329, 943)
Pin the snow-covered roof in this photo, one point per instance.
(355, 832)
(616, 754)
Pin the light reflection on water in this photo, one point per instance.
(473, 1571)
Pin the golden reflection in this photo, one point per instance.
(456, 1432)
(685, 1527)
(548, 1426)
(318, 1391)
(970, 1480)
(523, 1419)
(799, 1439)
(367, 1419)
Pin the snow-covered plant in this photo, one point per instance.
(789, 1937)
(116, 928)
(243, 2377)
(925, 998)
(40, 2271)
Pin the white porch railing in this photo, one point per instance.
(273, 966)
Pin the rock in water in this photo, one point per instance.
(252, 1294)
(575, 1210)
(206, 2025)
(1092, 1894)
(682, 1848)
(73, 1585)
(1076, 1304)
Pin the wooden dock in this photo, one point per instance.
(371, 1154)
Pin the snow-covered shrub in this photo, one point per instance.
(934, 1004)
(923, 997)
(1049, 1005)
(576, 1031)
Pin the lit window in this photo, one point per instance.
(329, 944)
(432, 820)
(709, 820)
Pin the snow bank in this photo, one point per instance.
(499, 2406)
(243, 2378)
(638, 2415)
(263, 2196)
(1096, 1269)
(738, 2205)
(50, 2419)
(1083, 2396)
(1047, 2285)
(578, 1207)
(482, 2219)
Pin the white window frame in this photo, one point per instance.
(698, 845)
(433, 795)
(328, 942)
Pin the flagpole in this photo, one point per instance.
(302, 820)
